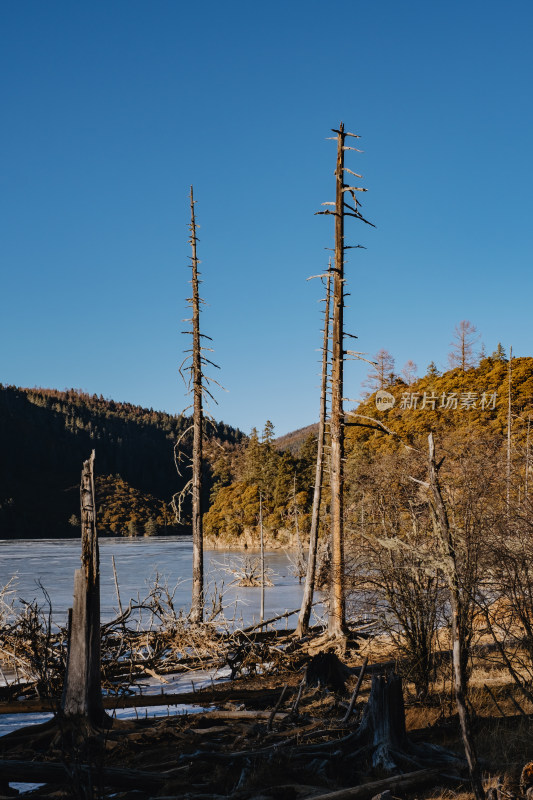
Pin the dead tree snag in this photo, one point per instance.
(382, 731)
(337, 621)
(447, 544)
(197, 603)
(302, 627)
(82, 695)
(383, 722)
(197, 385)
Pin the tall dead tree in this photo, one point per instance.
(82, 695)
(196, 384)
(337, 620)
(302, 626)
(197, 602)
(526, 482)
(447, 544)
(509, 429)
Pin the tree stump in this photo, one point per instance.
(82, 694)
(326, 670)
(382, 732)
(383, 722)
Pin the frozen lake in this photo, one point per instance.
(52, 562)
(138, 561)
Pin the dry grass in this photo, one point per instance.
(503, 733)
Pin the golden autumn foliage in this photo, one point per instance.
(282, 481)
(126, 511)
(474, 390)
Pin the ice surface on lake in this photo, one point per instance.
(10, 722)
(52, 563)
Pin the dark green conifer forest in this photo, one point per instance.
(46, 434)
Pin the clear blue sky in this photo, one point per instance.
(112, 109)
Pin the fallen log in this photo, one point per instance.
(267, 715)
(112, 703)
(199, 697)
(260, 625)
(410, 780)
(28, 706)
(48, 772)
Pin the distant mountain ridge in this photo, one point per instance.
(293, 440)
(46, 434)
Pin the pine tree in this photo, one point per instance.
(433, 371)
(270, 460)
(252, 459)
(283, 488)
(268, 432)
(307, 463)
(150, 527)
(499, 354)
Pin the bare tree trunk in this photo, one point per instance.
(336, 620)
(302, 626)
(296, 525)
(82, 696)
(262, 556)
(526, 486)
(509, 423)
(197, 602)
(446, 540)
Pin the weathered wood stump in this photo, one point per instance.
(382, 732)
(326, 670)
(82, 693)
(383, 722)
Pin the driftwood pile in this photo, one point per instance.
(35, 655)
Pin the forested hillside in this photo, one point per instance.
(467, 410)
(459, 402)
(45, 435)
(293, 441)
(259, 477)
